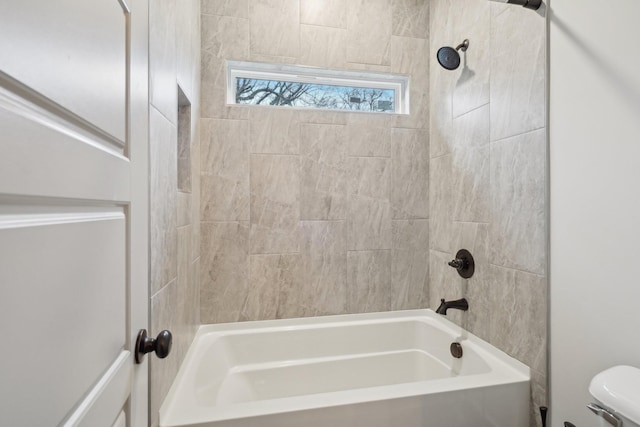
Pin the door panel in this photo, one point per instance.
(72, 52)
(64, 274)
(73, 212)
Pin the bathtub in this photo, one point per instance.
(366, 370)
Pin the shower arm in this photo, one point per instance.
(529, 4)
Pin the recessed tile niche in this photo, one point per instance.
(184, 142)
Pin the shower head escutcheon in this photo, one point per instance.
(529, 4)
(449, 57)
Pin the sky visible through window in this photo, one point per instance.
(330, 97)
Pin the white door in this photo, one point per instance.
(73, 209)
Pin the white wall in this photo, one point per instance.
(595, 200)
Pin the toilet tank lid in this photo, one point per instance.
(619, 389)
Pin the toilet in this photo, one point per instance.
(617, 394)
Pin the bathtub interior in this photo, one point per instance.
(269, 364)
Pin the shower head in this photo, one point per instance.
(449, 57)
(529, 4)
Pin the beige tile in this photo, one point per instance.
(162, 58)
(470, 167)
(369, 177)
(187, 48)
(445, 283)
(184, 148)
(472, 77)
(323, 46)
(406, 60)
(323, 117)
(441, 204)
(369, 216)
(365, 45)
(323, 173)
(182, 332)
(474, 237)
(225, 170)
(369, 135)
(274, 131)
(272, 279)
(519, 328)
(325, 13)
(419, 110)
(410, 18)
(184, 209)
(518, 188)
(410, 264)
(236, 8)
(368, 281)
(369, 223)
(442, 82)
(517, 75)
(223, 38)
(164, 315)
(162, 200)
(275, 27)
(324, 285)
(275, 204)
(224, 278)
(410, 181)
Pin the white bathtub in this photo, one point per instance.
(369, 370)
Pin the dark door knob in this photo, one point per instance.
(161, 345)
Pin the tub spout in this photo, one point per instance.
(459, 304)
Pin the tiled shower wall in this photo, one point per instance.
(174, 60)
(488, 176)
(310, 213)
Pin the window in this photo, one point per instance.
(306, 87)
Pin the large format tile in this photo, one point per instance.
(162, 371)
(474, 237)
(323, 46)
(445, 283)
(472, 77)
(224, 279)
(517, 75)
(366, 45)
(368, 281)
(519, 327)
(163, 92)
(368, 135)
(441, 204)
(223, 38)
(274, 131)
(410, 181)
(225, 170)
(410, 18)
(323, 172)
(470, 166)
(273, 279)
(410, 264)
(236, 8)
(275, 27)
(325, 13)
(162, 199)
(324, 286)
(369, 216)
(518, 188)
(275, 204)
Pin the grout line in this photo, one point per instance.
(471, 111)
(518, 134)
(518, 269)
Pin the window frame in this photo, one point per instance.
(399, 83)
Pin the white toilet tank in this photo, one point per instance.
(617, 394)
